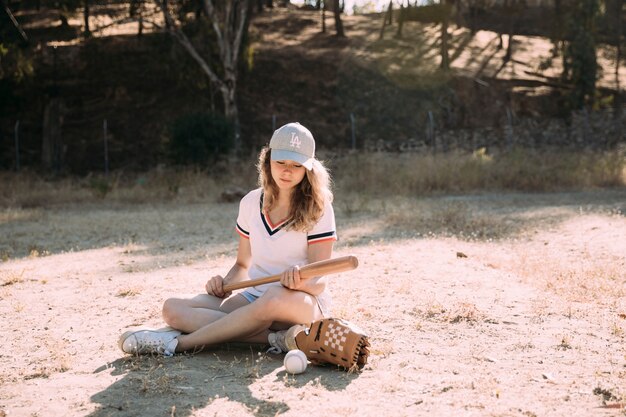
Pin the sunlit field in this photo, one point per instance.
(478, 300)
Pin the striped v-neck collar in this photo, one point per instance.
(271, 228)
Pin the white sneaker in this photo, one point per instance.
(147, 341)
(283, 341)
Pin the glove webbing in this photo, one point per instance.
(319, 331)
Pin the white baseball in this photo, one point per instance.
(295, 361)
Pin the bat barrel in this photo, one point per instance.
(315, 269)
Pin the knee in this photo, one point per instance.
(172, 312)
(269, 305)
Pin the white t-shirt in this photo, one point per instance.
(275, 249)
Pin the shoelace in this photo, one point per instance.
(157, 346)
(275, 346)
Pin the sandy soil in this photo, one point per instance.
(528, 322)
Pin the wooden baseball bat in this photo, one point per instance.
(315, 269)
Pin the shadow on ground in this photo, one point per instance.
(185, 383)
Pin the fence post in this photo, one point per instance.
(106, 148)
(353, 127)
(509, 128)
(430, 131)
(17, 145)
(588, 136)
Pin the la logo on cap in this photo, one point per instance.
(295, 140)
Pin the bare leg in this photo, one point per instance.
(251, 322)
(190, 314)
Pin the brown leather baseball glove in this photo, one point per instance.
(331, 340)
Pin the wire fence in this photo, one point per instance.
(584, 130)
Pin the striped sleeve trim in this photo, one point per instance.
(321, 237)
(242, 232)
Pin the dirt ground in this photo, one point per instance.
(514, 305)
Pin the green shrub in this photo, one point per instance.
(199, 138)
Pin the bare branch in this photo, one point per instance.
(212, 14)
(240, 29)
(14, 21)
(180, 36)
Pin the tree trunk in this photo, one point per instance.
(64, 22)
(51, 146)
(613, 16)
(231, 112)
(617, 103)
(165, 6)
(510, 20)
(400, 21)
(509, 49)
(86, 18)
(472, 17)
(387, 19)
(557, 29)
(445, 59)
(338, 23)
(140, 25)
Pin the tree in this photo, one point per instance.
(337, 9)
(579, 57)
(229, 24)
(337, 14)
(446, 11)
(86, 18)
(613, 17)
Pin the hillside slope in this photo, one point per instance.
(292, 71)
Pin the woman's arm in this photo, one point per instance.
(238, 272)
(314, 286)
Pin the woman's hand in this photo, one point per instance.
(291, 278)
(215, 286)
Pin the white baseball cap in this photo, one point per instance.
(293, 142)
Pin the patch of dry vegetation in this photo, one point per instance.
(454, 218)
(53, 358)
(453, 172)
(11, 278)
(184, 185)
(582, 280)
(370, 174)
(458, 312)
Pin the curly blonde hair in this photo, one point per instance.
(308, 198)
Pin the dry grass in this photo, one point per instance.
(186, 185)
(455, 218)
(11, 278)
(519, 169)
(55, 358)
(128, 292)
(581, 280)
(458, 312)
(376, 174)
